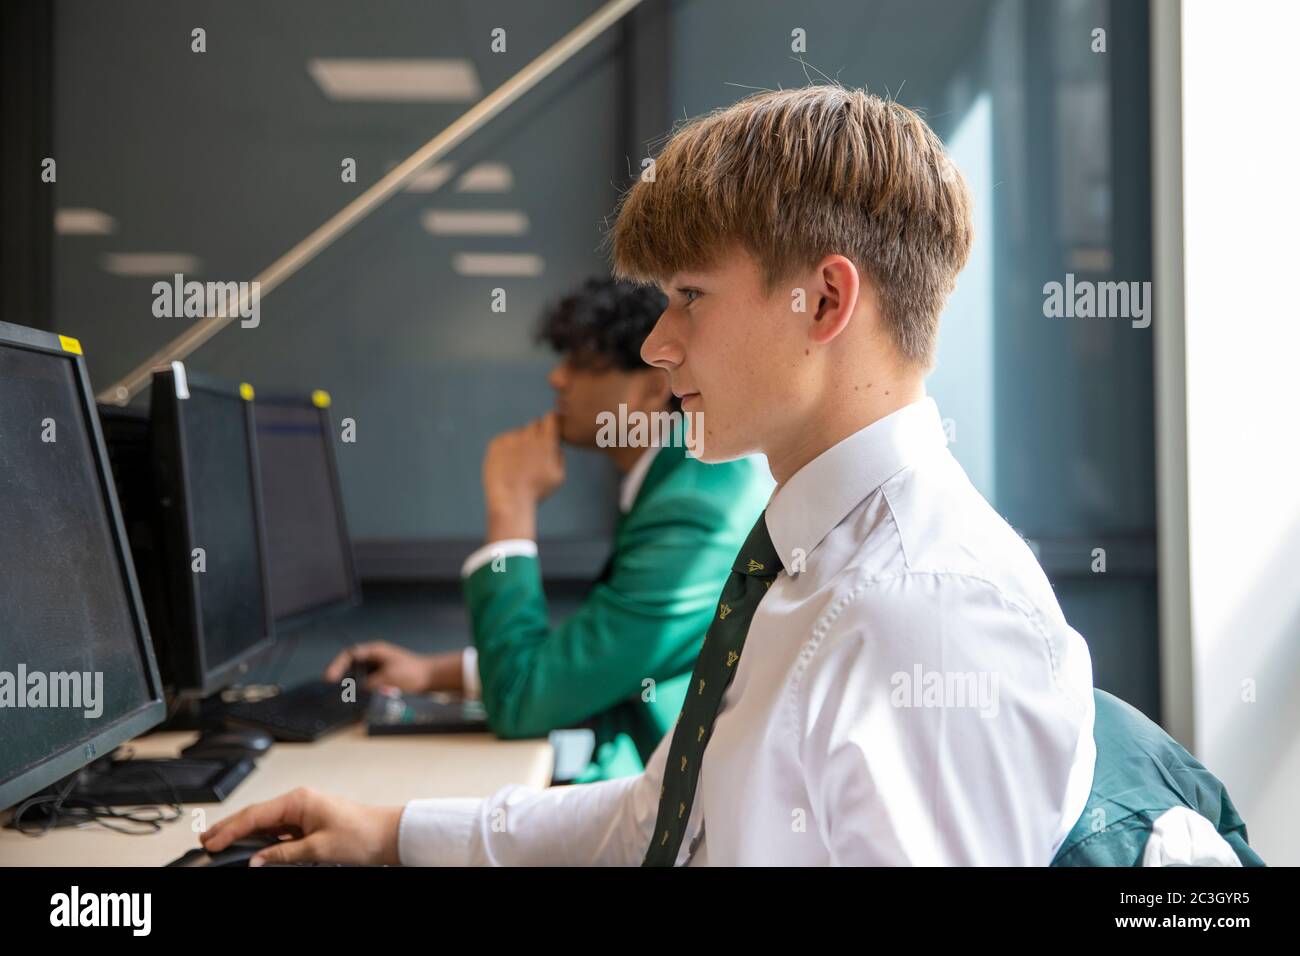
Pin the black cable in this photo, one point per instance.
(62, 806)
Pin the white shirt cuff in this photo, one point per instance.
(471, 689)
(506, 548)
(438, 832)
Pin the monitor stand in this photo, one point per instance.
(130, 783)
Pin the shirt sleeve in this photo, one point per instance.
(471, 689)
(595, 824)
(935, 729)
(505, 548)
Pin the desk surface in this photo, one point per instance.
(380, 770)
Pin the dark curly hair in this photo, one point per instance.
(603, 324)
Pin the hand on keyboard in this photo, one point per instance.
(384, 665)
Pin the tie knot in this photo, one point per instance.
(758, 557)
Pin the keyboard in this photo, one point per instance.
(301, 714)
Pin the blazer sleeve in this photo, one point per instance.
(643, 623)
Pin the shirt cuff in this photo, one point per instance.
(438, 832)
(506, 548)
(470, 689)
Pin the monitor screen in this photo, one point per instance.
(72, 654)
(311, 559)
(220, 476)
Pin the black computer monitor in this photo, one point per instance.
(69, 603)
(214, 553)
(128, 436)
(311, 554)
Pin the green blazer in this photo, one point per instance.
(621, 663)
(1141, 772)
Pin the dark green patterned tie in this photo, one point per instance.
(755, 568)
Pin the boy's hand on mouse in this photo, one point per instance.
(323, 829)
(388, 666)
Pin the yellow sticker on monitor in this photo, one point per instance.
(246, 391)
(320, 398)
(70, 344)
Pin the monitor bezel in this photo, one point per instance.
(307, 401)
(150, 714)
(190, 670)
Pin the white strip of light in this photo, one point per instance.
(486, 178)
(430, 179)
(458, 222)
(497, 264)
(83, 222)
(150, 263)
(397, 81)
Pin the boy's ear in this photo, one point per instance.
(834, 297)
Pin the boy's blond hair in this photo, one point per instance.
(795, 175)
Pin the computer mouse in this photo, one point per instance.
(237, 854)
(229, 745)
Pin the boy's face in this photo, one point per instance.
(735, 356)
(585, 386)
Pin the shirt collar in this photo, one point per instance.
(820, 495)
(632, 481)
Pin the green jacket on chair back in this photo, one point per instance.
(621, 663)
(1141, 774)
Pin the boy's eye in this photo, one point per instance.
(690, 294)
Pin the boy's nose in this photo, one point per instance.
(661, 347)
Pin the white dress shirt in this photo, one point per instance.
(628, 489)
(909, 693)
